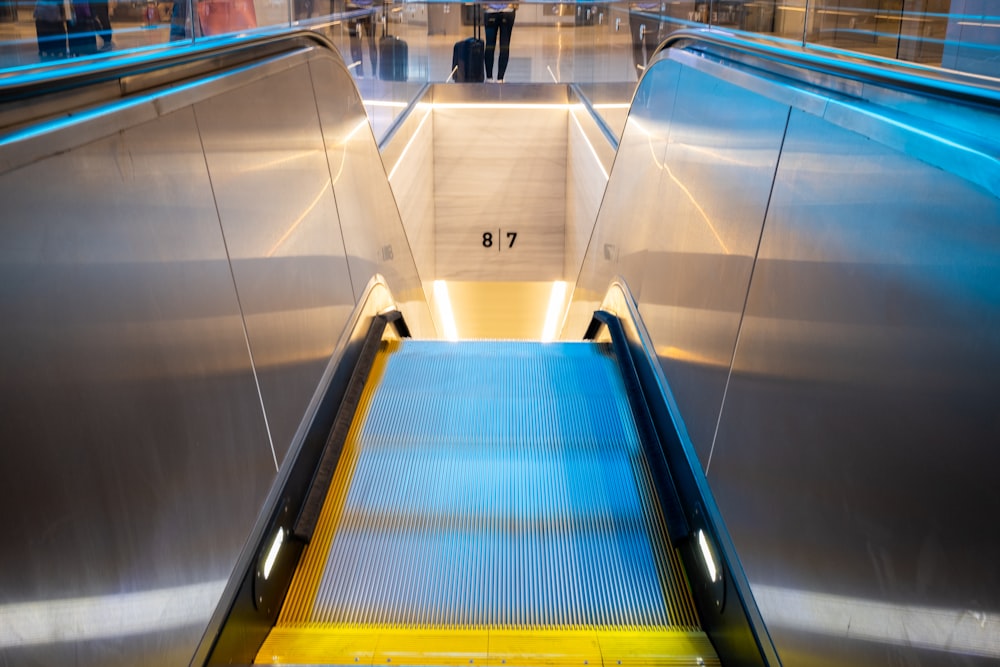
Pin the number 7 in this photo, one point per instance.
(513, 237)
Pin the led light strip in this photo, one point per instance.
(444, 308)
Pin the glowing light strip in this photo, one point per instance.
(706, 553)
(612, 105)
(444, 308)
(593, 151)
(960, 631)
(385, 104)
(272, 553)
(556, 298)
(105, 616)
(409, 143)
(499, 105)
(552, 74)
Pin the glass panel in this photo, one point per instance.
(393, 48)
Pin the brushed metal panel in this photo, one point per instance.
(272, 186)
(411, 175)
(588, 162)
(856, 453)
(129, 406)
(630, 207)
(372, 230)
(709, 205)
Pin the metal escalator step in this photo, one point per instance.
(490, 486)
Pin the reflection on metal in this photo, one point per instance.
(683, 188)
(360, 125)
(960, 631)
(852, 429)
(144, 305)
(593, 151)
(107, 616)
(413, 137)
(324, 189)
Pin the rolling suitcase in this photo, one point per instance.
(393, 53)
(468, 57)
(51, 38)
(50, 29)
(81, 31)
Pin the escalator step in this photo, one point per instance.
(491, 487)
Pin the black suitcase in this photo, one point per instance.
(393, 52)
(393, 58)
(82, 36)
(468, 57)
(51, 38)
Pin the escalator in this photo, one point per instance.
(492, 504)
(222, 417)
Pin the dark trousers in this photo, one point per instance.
(99, 10)
(502, 22)
(645, 30)
(356, 27)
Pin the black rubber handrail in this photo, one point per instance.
(910, 78)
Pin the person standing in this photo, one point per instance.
(99, 11)
(644, 24)
(499, 21)
(361, 23)
(50, 27)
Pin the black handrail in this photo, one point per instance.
(727, 610)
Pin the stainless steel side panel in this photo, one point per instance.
(857, 453)
(134, 451)
(618, 242)
(173, 281)
(272, 185)
(722, 149)
(370, 224)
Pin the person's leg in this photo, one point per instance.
(506, 28)
(637, 30)
(99, 10)
(353, 27)
(491, 24)
(651, 39)
(369, 26)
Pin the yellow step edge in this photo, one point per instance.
(425, 647)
